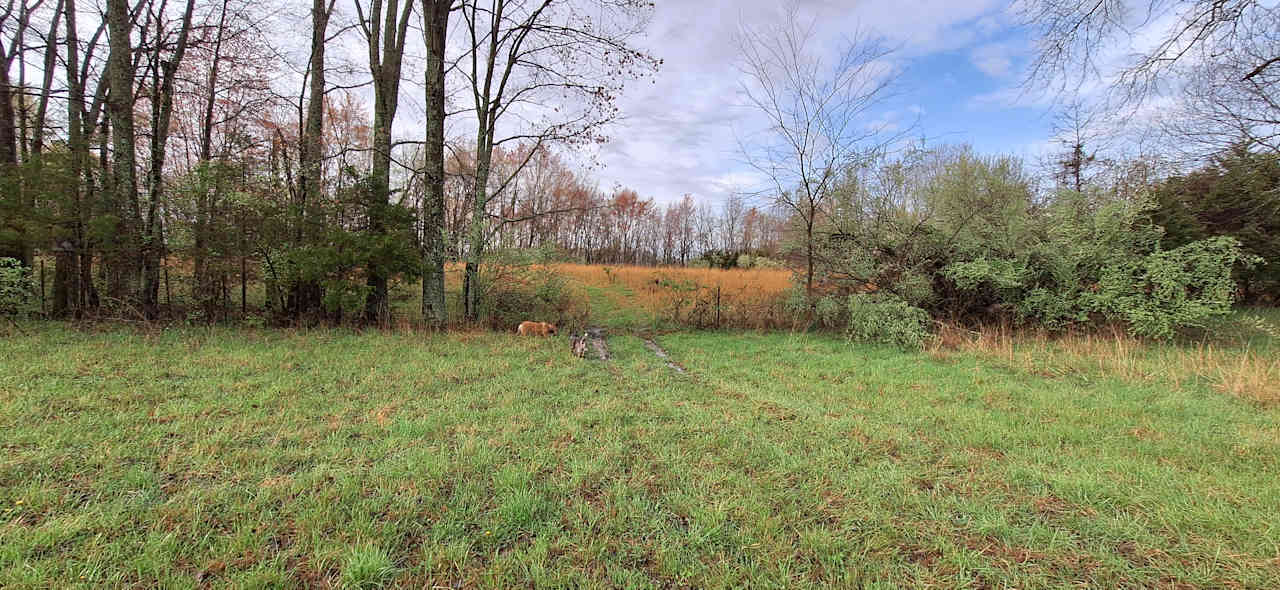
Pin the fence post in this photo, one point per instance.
(43, 310)
(717, 306)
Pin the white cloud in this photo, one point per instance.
(995, 59)
(679, 133)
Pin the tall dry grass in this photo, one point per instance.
(1244, 372)
(702, 297)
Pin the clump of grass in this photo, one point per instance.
(367, 567)
(1248, 371)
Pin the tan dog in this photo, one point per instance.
(536, 329)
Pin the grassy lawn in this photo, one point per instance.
(270, 459)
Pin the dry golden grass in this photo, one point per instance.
(769, 281)
(748, 298)
(1244, 372)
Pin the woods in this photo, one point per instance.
(194, 139)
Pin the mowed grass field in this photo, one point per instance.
(273, 459)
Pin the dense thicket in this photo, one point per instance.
(1236, 195)
(971, 237)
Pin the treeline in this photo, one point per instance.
(180, 151)
(167, 155)
(550, 204)
(886, 237)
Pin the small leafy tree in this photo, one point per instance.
(17, 289)
(885, 319)
(1172, 290)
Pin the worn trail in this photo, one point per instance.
(591, 339)
(658, 351)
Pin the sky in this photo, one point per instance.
(962, 65)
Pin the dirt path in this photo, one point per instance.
(658, 351)
(591, 339)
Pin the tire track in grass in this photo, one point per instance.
(662, 355)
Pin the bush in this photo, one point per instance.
(1236, 195)
(513, 293)
(720, 259)
(1172, 290)
(757, 261)
(17, 289)
(969, 239)
(795, 304)
(828, 312)
(886, 319)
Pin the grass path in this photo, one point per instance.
(258, 459)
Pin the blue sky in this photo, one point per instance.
(963, 64)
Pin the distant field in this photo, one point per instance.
(700, 297)
(228, 458)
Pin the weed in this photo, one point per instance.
(367, 567)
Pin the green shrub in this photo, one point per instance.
(1237, 194)
(17, 289)
(828, 312)
(886, 319)
(756, 261)
(1172, 290)
(795, 304)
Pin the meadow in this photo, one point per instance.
(254, 458)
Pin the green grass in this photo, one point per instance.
(609, 309)
(274, 459)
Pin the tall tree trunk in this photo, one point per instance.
(161, 114)
(64, 257)
(9, 49)
(305, 293)
(8, 117)
(486, 118)
(435, 25)
(808, 255)
(123, 194)
(202, 284)
(386, 41)
(67, 287)
(477, 230)
(46, 85)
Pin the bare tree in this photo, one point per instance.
(36, 139)
(731, 222)
(1219, 106)
(385, 31)
(818, 113)
(305, 295)
(685, 233)
(1221, 56)
(556, 67)
(1075, 36)
(120, 74)
(15, 21)
(164, 59)
(1080, 133)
